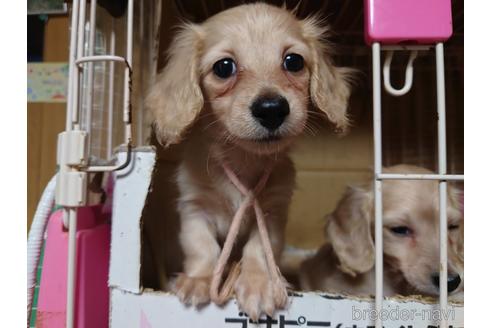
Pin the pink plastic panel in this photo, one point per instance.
(407, 21)
(92, 291)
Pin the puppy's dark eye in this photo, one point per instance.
(402, 231)
(225, 68)
(453, 226)
(293, 62)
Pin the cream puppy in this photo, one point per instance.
(247, 78)
(411, 241)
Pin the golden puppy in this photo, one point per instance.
(246, 79)
(411, 241)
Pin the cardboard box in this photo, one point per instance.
(132, 305)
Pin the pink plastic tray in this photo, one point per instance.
(407, 21)
(91, 291)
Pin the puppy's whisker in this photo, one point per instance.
(316, 113)
(309, 130)
(205, 116)
(211, 124)
(209, 155)
(227, 138)
(310, 127)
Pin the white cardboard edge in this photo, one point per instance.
(156, 309)
(130, 192)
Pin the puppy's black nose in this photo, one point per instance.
(454, 281)
(270, 111)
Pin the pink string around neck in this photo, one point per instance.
(279, 285)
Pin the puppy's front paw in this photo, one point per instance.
(192, 290)
(256, 294)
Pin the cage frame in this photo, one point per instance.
(81, 168)
(442, 176)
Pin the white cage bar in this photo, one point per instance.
(442, 176)
(410, 176)
(73, 124)
(378, 168)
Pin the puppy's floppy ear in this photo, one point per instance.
(456, 198)
(456, 205)
(349, 231)
(329, 85)
(176, 99)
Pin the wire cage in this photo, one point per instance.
(115, 52)
(102, 93)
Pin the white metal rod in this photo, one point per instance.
(376, 80)
(129, 58)
(71, 64)
(72, 272)
(90, 80)
(99, 58)
(140, 112)
(444, 177)
(105, 168)
(378, 197)
(443, 225)
(129, 33)
(109, 139)
(80, 48)
(71, 213)
(408, 74)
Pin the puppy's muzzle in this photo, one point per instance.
(270, 111)
(454, 281)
